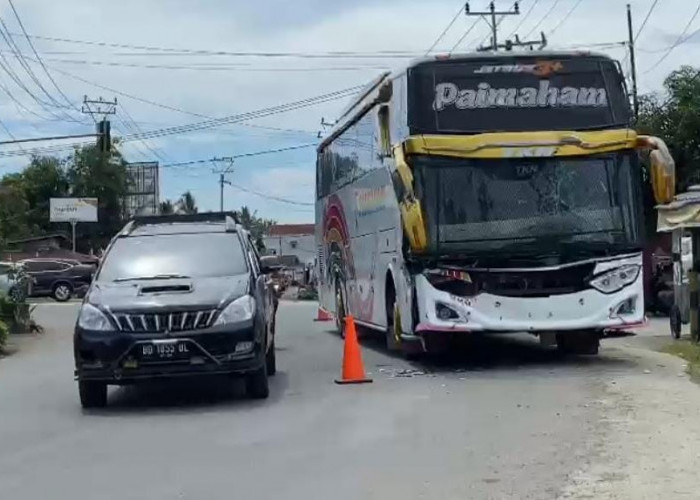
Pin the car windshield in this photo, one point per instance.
(531, 203)
(174, 255)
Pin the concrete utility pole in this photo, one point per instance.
(633, 62)
(222, 176)
(492, 13)
(102, 108)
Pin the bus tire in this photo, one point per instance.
(340, 310)
(393, 319)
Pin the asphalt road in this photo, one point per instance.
(502, 418)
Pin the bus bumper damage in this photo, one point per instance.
(484, 311)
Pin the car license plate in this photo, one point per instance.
(165, 350)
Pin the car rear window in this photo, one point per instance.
(195, 255)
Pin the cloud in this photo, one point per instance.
(274, 25)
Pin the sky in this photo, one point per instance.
(279, 185)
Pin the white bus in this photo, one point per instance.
(487, 193)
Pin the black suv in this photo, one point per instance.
(176, 295)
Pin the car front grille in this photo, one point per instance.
(177, 321)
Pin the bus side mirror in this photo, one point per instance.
(662, 168)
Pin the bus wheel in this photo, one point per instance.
(393, 323)
(340, 311)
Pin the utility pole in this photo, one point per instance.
(102, 108)
(633, 63)
(509, 44)
(222, 176)
(492, 13)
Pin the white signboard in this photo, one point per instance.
(73, 210)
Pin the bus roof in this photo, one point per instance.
(371, 90)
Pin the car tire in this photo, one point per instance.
(256, 383)
(92, 394)
(62, 292)
(271, 360)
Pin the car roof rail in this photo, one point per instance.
(230, 219)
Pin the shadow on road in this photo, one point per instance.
(188, 395)
(498, 352)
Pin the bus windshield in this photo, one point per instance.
(514, 204)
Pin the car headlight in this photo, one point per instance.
(91, 318)
(616, 279)
(241, 309)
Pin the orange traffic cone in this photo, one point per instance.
(353, 369)
(323, 315)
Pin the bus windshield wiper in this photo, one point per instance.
(154, 277)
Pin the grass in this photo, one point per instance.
(690, 352)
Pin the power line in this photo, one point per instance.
(212, 67)
(166, 106)
(565, 18)
(524, 18)
(539, 23)
(5, 33)
(206, 52)
(272, 197)
(679, 41)
(36, 54)
(242, 155)
(444, 32)
(466, 33)
(646, 18)
(283, 108)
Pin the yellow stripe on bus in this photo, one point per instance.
(522, 144)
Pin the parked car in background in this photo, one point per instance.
(14, 281)
(58, 278)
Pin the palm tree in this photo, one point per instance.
(187, 204)
(167, 207)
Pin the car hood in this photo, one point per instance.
(186, 293)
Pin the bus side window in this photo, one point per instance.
(384, 134)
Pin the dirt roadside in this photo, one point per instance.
(647, 445)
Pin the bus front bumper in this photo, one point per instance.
(584, 310)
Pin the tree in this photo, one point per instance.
(257, 226)
(92, 173)
(187, 204)
(43, 179)
(166, 207)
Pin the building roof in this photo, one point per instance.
(291, 230)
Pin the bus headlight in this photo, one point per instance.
(617, 279)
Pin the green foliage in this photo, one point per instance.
(24, 196)
(257, 226)
(16, 314)
(4, 334)
(187, 204)
(166, 207)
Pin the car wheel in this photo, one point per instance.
(92, 394)
(62, 292)
(256, 383)
(271, 360)
(675, 321)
